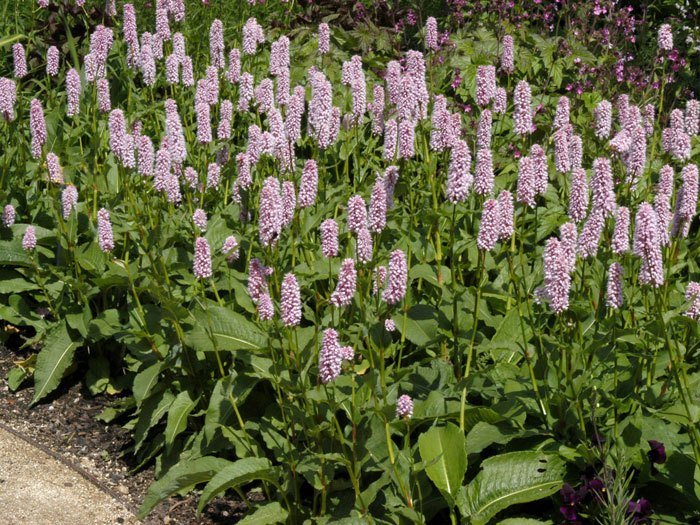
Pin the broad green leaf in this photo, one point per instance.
(12, 281)
(152, 410)
(53, 360)
(421, 324)
(523, 521)
(239, 473)
(10, 39)
(270, 513)
(442, 450)
(181, 478)
(145, 380)
(509, 479)
(230, 330)
(177, 416)
(16, 377)
(12, 254)
(484, 434)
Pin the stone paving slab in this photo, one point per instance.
(36, 489)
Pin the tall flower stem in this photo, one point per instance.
(480, 273)
(680, 378)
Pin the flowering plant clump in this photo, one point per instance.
(446, 279)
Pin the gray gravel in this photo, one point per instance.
(36, 489)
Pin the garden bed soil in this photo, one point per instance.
(64, 425)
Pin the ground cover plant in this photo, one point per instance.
(395, 269)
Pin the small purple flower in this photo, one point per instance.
(483, 172)
(20, 60)
(8, 97)
(692, 295)
(329, 238)
(199, 217)
(324, 38)
(506, 213)
(73, 88)
(665, 38)
(8, 215)
(29, 239)
(404, 407)
(431, 35)
(507, 55)
(347, 283)
(309, 184)
(639, 510)
(557, 276)
(686, 201)
(289, 202)
(270, 212)
(105, 236)
(522, 99)
(290, 303)
(52, 60)
(364, 246)
(578, 199)
(201, 265)
(252, 36)
(397, 278)
(378, 206)
(389, 325)
(230, 248)
(54, 168)
(621, 236)
(614, 297)
(459, 177)
(357, 213)
(330, 359)
(485, 84)
(37, 126)
(266, 308)
(602, 186)
(216, 44)
(647, 245)
(490, 227)
(657, 454)
(69, 200)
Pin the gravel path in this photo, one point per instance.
(37, 489)
(64, 426)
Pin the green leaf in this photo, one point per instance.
(270, 513)
(523, 521)
(509, 479)
(145, 380)
(442, 449)
(16, 377)
(12, 281)
(177, 416)
(12, 254)
(231, 331)
(181, 478)
(421, 324)
(53, 360)
(239, 473)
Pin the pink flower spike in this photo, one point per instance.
(201, 265)
(614, 297)
(329, 238)
(397, 279)
(347, 282)
(29, 239)
(404, 407)
(290, 303)
(105, 236)
(330, 359)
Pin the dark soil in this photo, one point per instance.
(65, 424)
